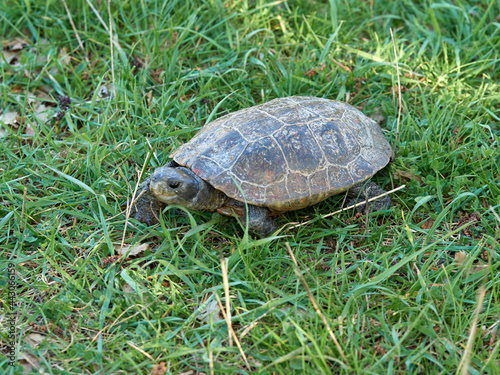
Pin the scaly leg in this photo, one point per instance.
(366, 190)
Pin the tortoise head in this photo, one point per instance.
(181, 186)
(176, 186)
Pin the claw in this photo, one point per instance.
(146, 207)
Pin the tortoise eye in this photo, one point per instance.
(174, 184)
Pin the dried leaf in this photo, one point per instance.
(427, 224)
(128, 289)
(159, 369)
(132, 250)
(42, 112)
(149, 97)
(407, 174)
(155, 74)
(461, 257)
(10, 57)
(109, 260)
(34, 339)
(9, 118)
(28, 130)
(310, 73)
(29, 362)
(27, 97)
(64, 58)
(15, 44)
(103, 92)
(213, 310)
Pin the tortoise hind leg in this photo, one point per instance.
(367, 190)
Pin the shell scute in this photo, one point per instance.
(338, 143)
(299, 147)
(261, 163)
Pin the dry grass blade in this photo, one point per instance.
(117, 320)
(296, 225)
(132, 201)
(232, 333)
(140, 350)
(315, 305)
(76, 32)
(24, 205)
(495, 214)
(210, 359)
(463, 367)
(249, 326)
(111, 48)
(341, 65)
(225, 282)
(400, 105)
(97, 15)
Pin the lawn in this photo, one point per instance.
(95, 96)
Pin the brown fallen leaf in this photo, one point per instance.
(468, 218)
(310, 72)
(159, 369)
(10, 57)
(210, 310)
(131, 250)
(29, 362)
(34, 339)
(14, 44)
(109, 260)
(64, 58)
(406, 174)
(149, 98)
(42, 112)
(28, 130)
(47, 328)
(9, 120)
(427, 224)
(461, 257)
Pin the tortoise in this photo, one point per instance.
(286, 154)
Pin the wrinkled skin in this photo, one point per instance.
(173, 184)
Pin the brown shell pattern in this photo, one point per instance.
(288, 153)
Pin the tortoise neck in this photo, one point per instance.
(208, 198)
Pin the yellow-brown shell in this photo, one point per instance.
(288, 153)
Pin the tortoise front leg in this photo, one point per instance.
(260, 221)
(147, 208)
(259, 218)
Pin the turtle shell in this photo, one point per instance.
(288, 153)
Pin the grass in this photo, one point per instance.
(399, 291)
